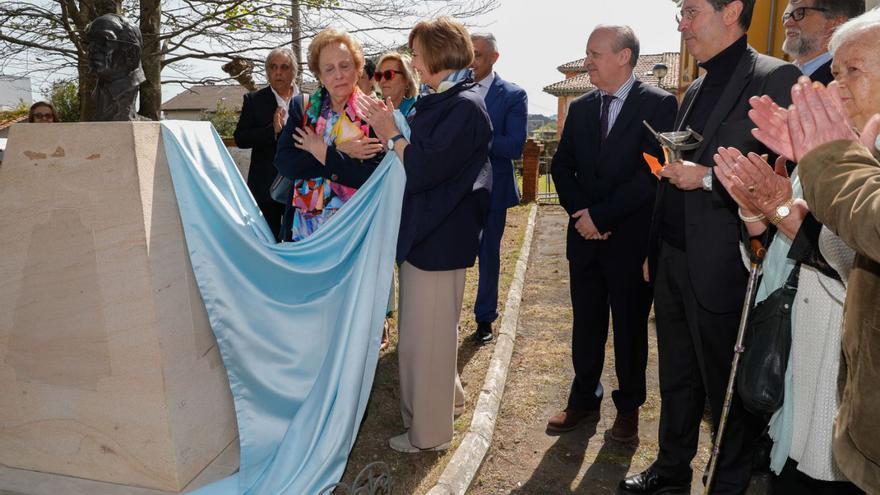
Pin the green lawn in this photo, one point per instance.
(543, 182)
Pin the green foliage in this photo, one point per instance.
(223, 119)
(64, 96)
(18, 111)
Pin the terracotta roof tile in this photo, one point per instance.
(206, 97)
(8, 122)
(580, 83)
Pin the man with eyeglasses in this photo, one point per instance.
(507, 106)
(263, 115)
(694, 255)
(808, 28)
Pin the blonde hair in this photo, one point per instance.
(445, 44)
(327, 37)
(412, 84)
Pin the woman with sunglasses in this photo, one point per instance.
(42, 112)
(397, 81)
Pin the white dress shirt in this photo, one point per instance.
(485, 83)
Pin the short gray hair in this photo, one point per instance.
(287, 52)
(624, 37)
(854, 28)
(488, 38)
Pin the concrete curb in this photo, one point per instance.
(468, 457)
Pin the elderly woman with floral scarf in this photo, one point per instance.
(325, 147)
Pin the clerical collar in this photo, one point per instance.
(726, 60)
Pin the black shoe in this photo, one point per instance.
(650, 482)
(483, 335)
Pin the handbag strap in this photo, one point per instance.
(794, 277)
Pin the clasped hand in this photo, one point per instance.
(684, 175)
(586, 228)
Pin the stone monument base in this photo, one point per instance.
(108, 367)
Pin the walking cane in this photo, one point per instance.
(757, 257)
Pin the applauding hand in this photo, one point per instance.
(379, 115)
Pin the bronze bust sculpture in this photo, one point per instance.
(115, 47)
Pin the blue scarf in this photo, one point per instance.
(449, 81)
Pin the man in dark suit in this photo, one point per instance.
(263, 115)
(694, 254)
(607, 187)
(808, 28)
(507, 106)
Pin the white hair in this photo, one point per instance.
(287, 52)
(854, 28)
(488, 38)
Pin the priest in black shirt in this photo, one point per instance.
(694, 255)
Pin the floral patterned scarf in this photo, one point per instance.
(317, 199)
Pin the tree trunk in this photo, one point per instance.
(151, 90)
(295, 38)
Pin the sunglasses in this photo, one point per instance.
(43, 116)
(387, 74)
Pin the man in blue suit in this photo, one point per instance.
(507, 105)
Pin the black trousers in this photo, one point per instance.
(609, 281)
(696, 350)
(272, 212)
(790, 480)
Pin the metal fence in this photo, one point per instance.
(546, 190)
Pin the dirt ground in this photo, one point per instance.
(523, 458)
(416, 474)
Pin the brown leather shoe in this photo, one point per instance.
(569, 419)
(626, 426)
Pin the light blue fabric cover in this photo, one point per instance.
(777, 266)
(298, 324)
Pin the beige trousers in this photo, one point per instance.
(427, 350)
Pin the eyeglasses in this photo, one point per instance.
(798, 14)
(387, 74)
(43, 116)
(688, 13)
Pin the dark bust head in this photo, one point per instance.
(115, 46)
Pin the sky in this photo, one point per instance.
(535, 37)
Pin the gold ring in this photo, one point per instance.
(751, 188)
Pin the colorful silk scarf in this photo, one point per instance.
(317, 199)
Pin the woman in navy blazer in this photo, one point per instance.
(448, 185)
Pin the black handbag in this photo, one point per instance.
(760, 380)
(280, 188)
(279, 191)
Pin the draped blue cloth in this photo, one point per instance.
(298, 325)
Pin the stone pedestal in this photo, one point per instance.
(108, 367)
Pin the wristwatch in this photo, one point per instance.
(782, 211)
(394, 140)
(707, 180)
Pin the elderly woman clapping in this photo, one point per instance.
(802, 429)
(448, 180)
(326, 148)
